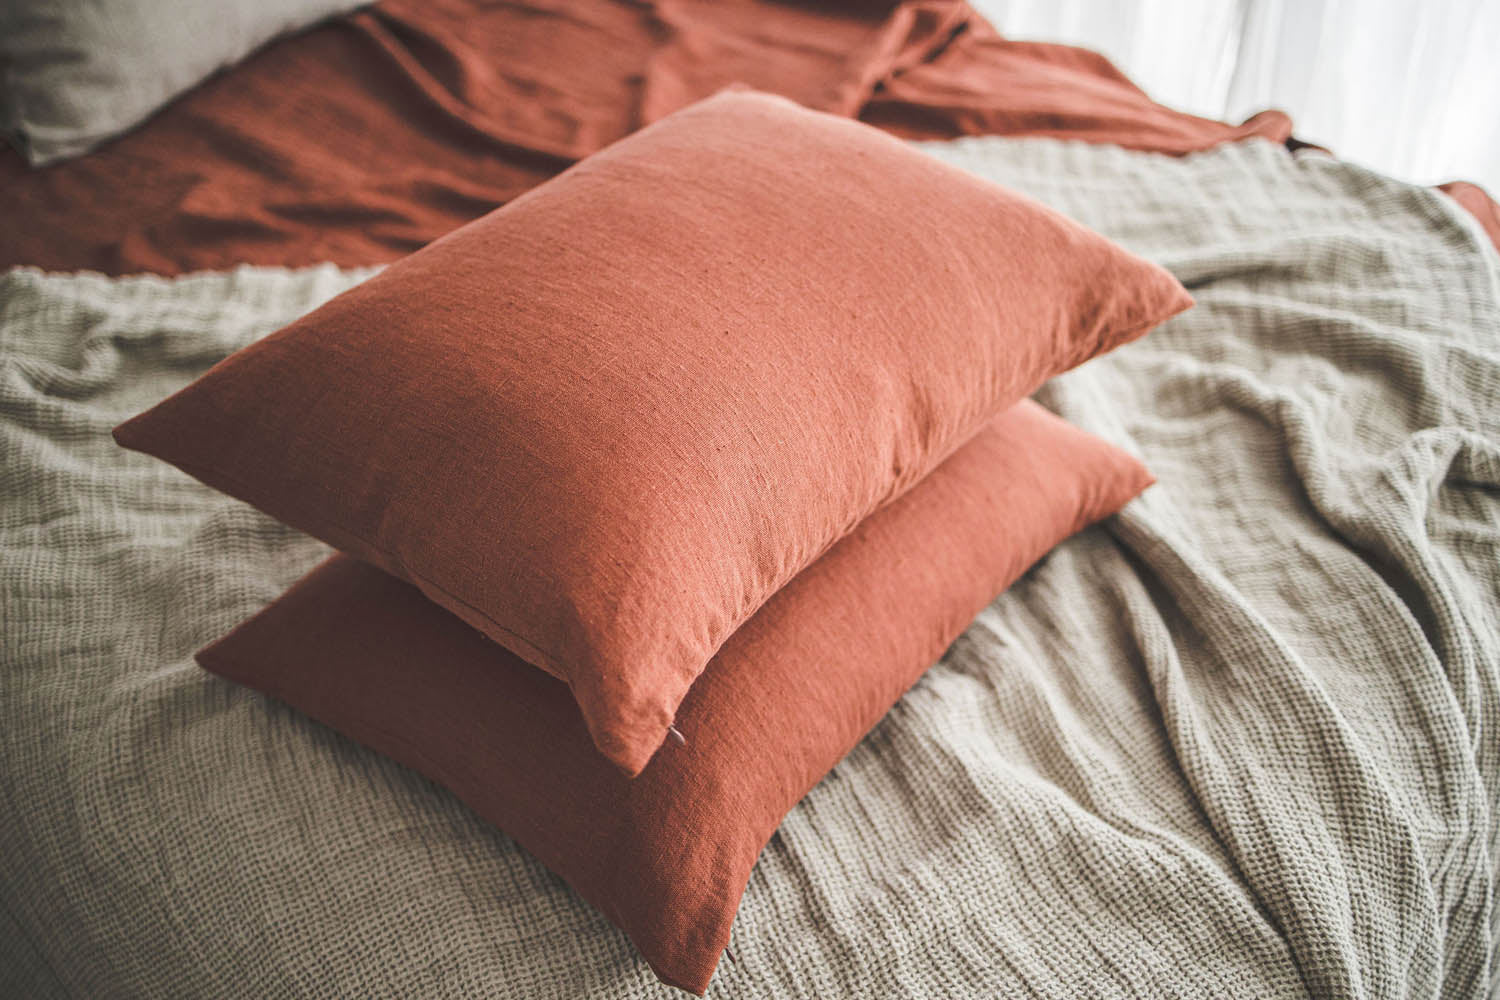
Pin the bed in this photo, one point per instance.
(1238, 740)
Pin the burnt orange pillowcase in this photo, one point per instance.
(606, 422)
(666, 856)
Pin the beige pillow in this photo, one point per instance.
(74, 73)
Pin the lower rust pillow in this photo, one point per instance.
(666, 856)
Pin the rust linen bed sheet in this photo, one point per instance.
(361, 141)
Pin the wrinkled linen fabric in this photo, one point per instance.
(366, 138)
(1239, 741)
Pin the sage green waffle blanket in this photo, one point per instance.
(1243, 740)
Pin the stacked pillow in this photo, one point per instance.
(723, 429)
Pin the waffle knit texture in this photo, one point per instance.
(1239, 742)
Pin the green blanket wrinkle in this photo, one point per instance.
(1241, 740)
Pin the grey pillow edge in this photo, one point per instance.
(42, 143)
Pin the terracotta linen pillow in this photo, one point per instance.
(666, 856)
(604, 423)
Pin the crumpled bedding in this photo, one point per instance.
(1240, 740)
(362, 140)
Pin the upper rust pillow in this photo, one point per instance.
(605, 423)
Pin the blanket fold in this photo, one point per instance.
(1239, 741)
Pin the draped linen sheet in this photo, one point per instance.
(363, 139)
(1240, 740)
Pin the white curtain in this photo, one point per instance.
(1408, 87)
